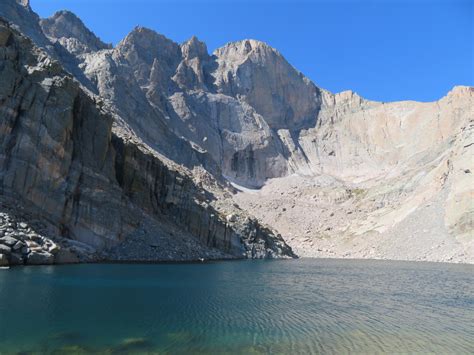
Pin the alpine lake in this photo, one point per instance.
(305, 306)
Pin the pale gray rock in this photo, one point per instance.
(71, 33)
(5, 249)
(18, 245)
(24, 3)
(194, 70)
(19, 13)
(9, 241)
(259, 75)
(153, 57)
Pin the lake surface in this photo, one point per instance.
(248, 307)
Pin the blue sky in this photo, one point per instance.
(384, 50)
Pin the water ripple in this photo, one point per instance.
(248, 307)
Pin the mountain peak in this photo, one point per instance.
(146, 38)
(261, 76)
(140, 32)
(193, 48)
(246, 47)
(68, 14)
(153, 56)
(72, 33)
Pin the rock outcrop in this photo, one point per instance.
(71, 33)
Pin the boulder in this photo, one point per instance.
(18, 245)
(32, 244)
(35, 237)
(9, 241)
(40, 258)
(231, 218)
(4, 249)
(53, 248)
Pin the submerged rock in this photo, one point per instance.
(133, 345)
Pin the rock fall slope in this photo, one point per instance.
(153, 150)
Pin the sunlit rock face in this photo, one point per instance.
(260, 76)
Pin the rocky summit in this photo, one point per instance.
(153, 150)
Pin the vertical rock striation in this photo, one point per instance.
(59, 154)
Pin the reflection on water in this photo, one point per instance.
(247, 307)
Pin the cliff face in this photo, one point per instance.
(260, 76)
(238, 108)
(156, 131)
(60, 155)
(55, 143)
(379, 181)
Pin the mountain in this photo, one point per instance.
(153, 149)
(98, 192)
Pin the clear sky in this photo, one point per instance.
(384, 50)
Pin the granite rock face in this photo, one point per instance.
(174, 95)
(387, 181)
(60, 155)
(260, 76)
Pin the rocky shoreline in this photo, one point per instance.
(28, 239)
(23, 243)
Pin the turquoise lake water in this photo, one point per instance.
(247, 307)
